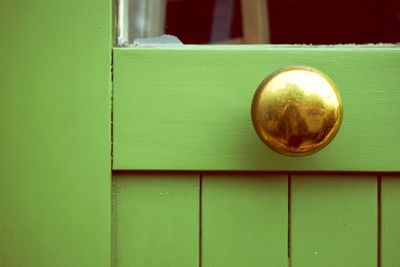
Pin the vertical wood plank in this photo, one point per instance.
(55, 113)
(333, 220)
(390, 221)
(156, 220)
(244, 220)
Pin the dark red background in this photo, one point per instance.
(296, 21)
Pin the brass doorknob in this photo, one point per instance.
(297, 110)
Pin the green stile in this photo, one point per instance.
(55, 143)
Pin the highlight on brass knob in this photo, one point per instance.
(297, 110)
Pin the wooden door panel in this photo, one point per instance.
(333, 220)
(155, 220)
(390, 221)
(188, 107)
(244, 220)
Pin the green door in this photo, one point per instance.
(194, 186)
(55, 166)
(147, 157)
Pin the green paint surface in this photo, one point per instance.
(188, 108)
(244, 220)
(390, 221)
(333, 220)
(184, 108)
(55, 174)
(156, 220)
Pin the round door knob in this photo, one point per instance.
(297, 110)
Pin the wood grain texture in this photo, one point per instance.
(390, 221)
(156, 220)
(244, 220)
(55, 83)
(333, 221)
(188, 108)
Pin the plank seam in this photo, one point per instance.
(113, 222)
(379, 221)
(289, 219)
(200, 218)
(112, 110)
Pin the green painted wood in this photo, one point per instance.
(156, 220)
(188, 108)
(390, 221)
(55, 199)
(244, 220)
(333, 220)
